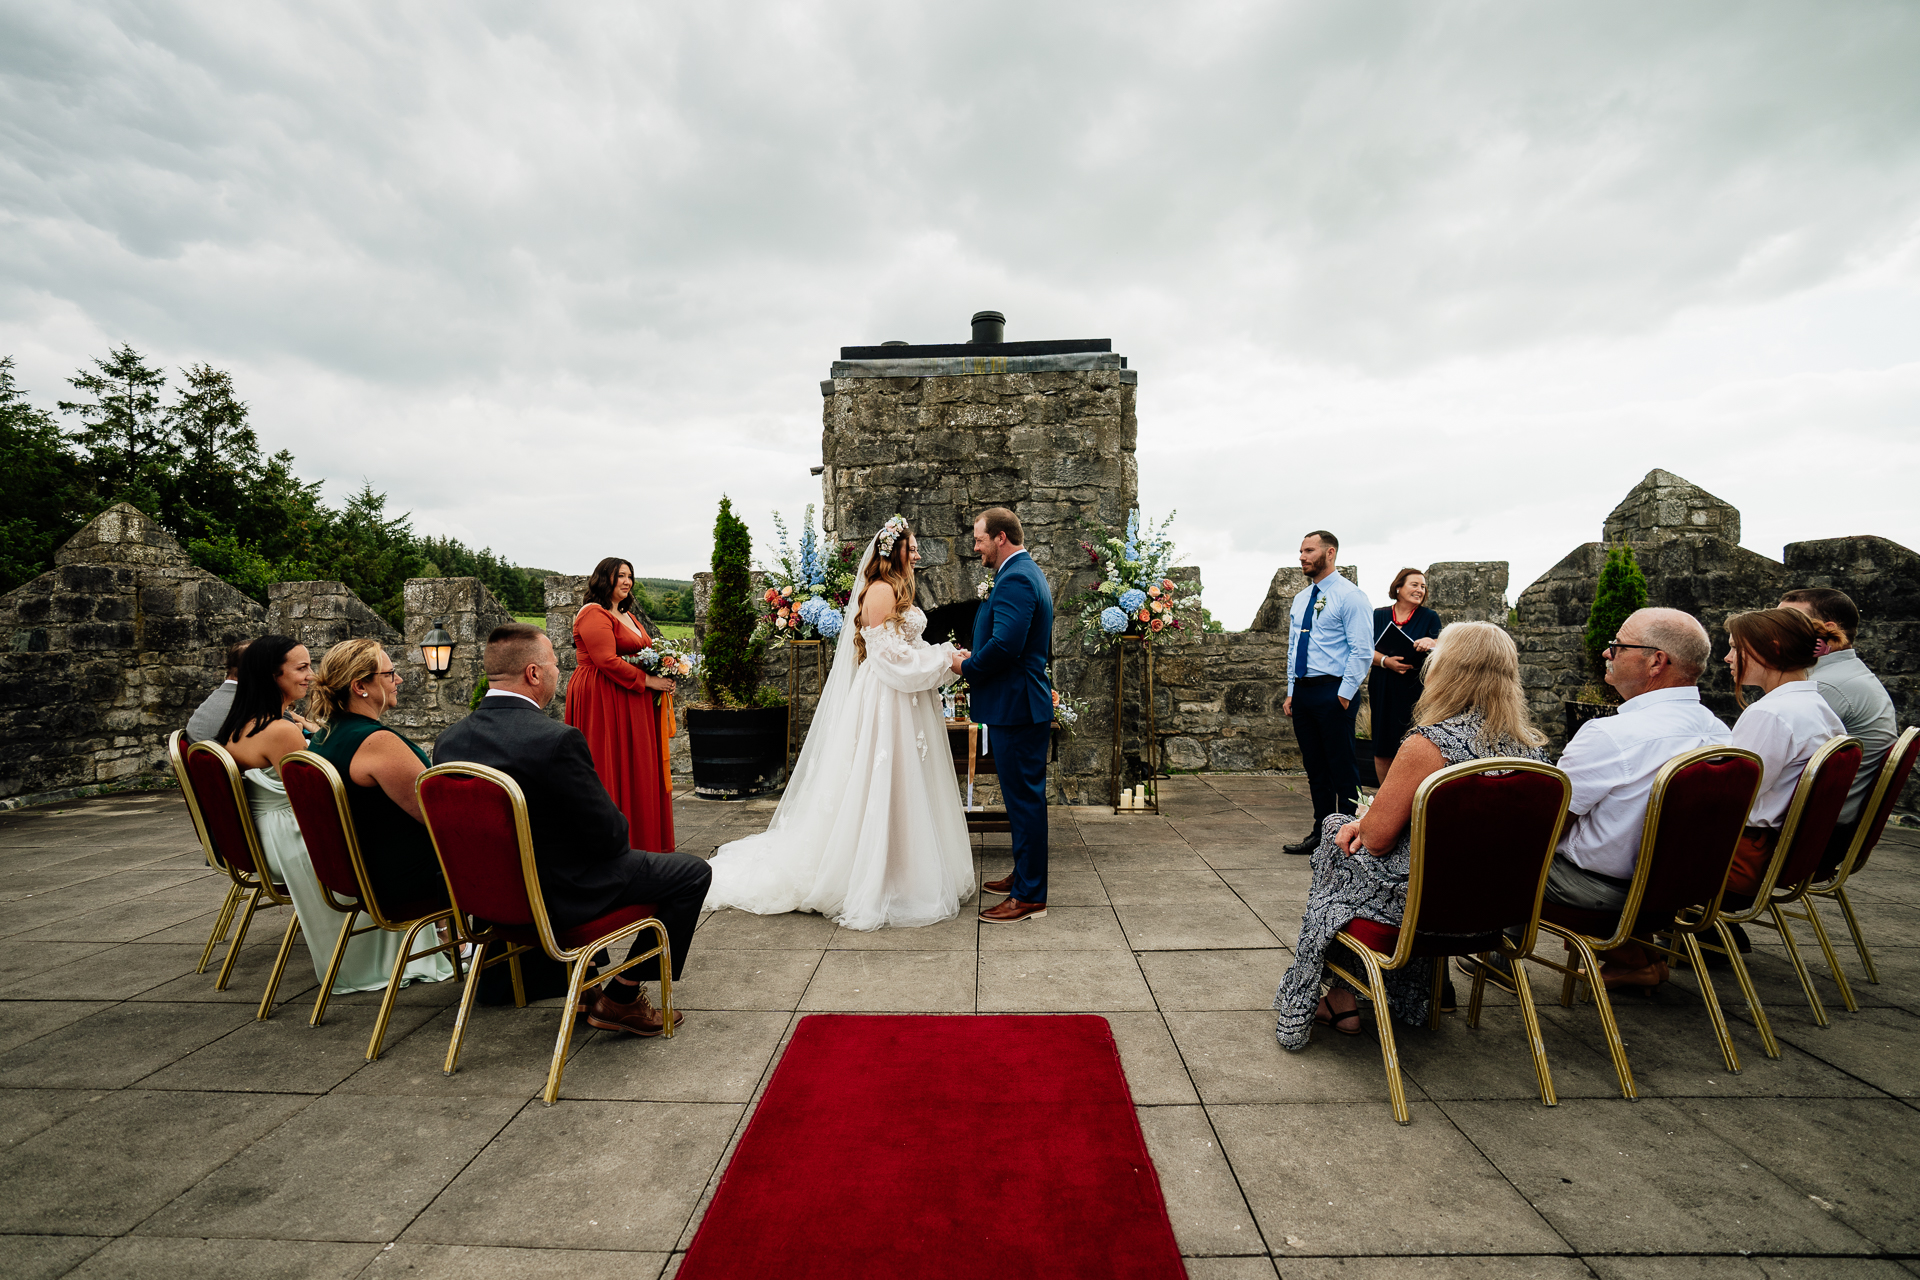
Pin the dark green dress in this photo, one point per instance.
(400, 860)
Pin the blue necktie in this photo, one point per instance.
(1306, 634)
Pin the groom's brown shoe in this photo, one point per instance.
(1003, 886)
(1012, 911)
(638, 1016)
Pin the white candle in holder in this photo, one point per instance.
(1126, 798)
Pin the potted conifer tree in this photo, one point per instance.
(1622, 588)
(738, 737)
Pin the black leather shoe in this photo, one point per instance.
(1304, 846)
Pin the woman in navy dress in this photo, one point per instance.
(1404, 632)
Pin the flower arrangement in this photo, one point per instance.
(807, 588)
(1135, 595)
(660, 658)
(1065, 712)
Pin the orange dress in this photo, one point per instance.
(626, 724)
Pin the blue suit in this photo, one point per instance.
(1008, 692)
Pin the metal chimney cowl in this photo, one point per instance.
(989, 327)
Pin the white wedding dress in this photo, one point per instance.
(870, 831)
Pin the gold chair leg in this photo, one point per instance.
(333, 968)
(1478, 994)
(1833, 961)
(1711, 998)
(387, 998)
(1440, 964)
(1799, 966)
(666, 980)
(221, 923)
(1523, 991)
(1383, 1023)
(513, 969)
(239, 936)
(279, 967)
(1745, 979)
(1609, 1025)
(475, 964)
(1859, 938)
(576, 980)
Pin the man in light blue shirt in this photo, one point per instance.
(1331, 649)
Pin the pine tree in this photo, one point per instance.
(124, 430)
(1622, 588)
(37, 486)
(731, 656)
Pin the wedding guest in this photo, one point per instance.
(1331, 649)
(275, 673)
(586, 862)
(1773, 650)
(1655, 662)
(625, 714)
(1404, 633)
(1856, 696)
(1471, 707)
(356, 686)
(207, 717)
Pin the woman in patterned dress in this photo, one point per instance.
(1470, 708)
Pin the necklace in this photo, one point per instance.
(1399, 621)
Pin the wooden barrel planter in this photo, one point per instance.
(736, 753)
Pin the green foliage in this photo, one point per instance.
(731, 656)
(194, 464)
(1621, 590)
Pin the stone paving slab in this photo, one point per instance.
(151, 1126)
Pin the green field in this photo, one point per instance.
(671, 630)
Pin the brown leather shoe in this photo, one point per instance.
(1012, 911)
(586, 998)
(640, 1017)
(1003, 886)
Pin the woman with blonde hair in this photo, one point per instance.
(1471, 707)
(870, 831)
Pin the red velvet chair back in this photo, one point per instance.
(1482, 835)
(319, 804)
(1899, 763)
(478, 819)
(1817, 802)
(222, 799)
(1698, 812)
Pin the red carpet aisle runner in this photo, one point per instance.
(952, 1147)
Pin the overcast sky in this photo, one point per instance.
(1445, 278)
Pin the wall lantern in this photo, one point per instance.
(436, 647)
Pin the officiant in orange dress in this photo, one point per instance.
(626, 714)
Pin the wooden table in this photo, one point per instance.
(963, 738)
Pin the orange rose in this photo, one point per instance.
(1159, 606)
(1158, 623)
(1144, 615)
(1167, 583)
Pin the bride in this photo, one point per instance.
(870, 831)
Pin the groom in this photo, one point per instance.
(1007, 681)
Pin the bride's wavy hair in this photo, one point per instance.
(896, 570)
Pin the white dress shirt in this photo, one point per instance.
(1612, 762)
(1784, 729)
(508, 693)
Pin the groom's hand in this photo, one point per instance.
(1286, 708)
(959, 656)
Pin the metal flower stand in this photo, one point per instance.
(793, 683)
(1126, 647)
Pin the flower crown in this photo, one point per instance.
(889, 534)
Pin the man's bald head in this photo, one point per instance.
(1675, 633)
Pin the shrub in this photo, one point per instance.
(1621, 590)
(730, 658)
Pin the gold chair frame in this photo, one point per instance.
(1588, 946)
(369, 905)
(1836, 888)
(576, 959)
(177, 760)
(1377, 965)
(1767, 903)
(256, 886)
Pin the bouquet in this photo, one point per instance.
(1135, 595)
(662, 659)
(807, 589)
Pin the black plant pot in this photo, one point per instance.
(1363, 762)
(736, 754)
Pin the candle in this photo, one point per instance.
(1126, 797)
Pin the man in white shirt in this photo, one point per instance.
(1655, 663)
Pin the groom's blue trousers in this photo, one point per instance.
(1020, 754)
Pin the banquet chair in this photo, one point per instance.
(176, 758)
(477, 817)
(1482, 837)
(1894, 773)
(1811, 817)
(220, 799)
(320, 805)
(1695, 813)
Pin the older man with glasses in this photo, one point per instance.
(1655, 661)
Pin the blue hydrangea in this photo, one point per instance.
(829, 623)
(1133, 599)
(1112, 621)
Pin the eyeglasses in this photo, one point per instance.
(1621, 644)
(388, 674)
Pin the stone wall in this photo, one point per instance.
(113, 649)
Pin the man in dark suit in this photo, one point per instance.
(1008, 692)
(587, 867)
